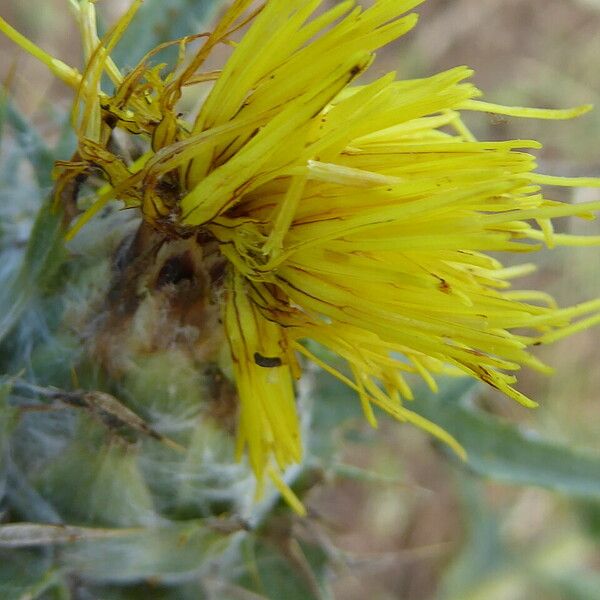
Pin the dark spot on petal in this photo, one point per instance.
(445, 287)
(111, 120)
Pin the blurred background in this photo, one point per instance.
(399, 517)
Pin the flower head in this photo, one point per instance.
(356, 216)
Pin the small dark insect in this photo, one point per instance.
(269, 362)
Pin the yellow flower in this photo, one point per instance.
(356, 216)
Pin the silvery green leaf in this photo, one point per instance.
(26, 574)
(98, 482)
(43, 257)
(158, 21)
(296, 573)
(500, 450)
(25, 500)
(171, 554)
(31, 144)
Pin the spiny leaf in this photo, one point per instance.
(44, 255)
(495, 448)
(110, 411)
(20, 535)
(26, 575)
(109, 488)
(25, 500)
(170, 553)
(502, 451)
(294, 571)
(45, 252)
(31, 143)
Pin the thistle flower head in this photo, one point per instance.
(356, 216)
